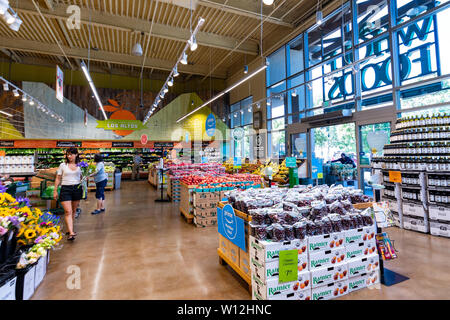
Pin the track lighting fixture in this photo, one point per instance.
(184, 58)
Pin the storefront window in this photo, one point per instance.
(409, 9)
(294, 54)
(442, 26)
(299, 145)
(276, 71)
(373, 138)
(373, 18)
(277, 144)
(417, 50)
(275, 103)
(242, 116)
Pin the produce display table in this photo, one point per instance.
(109, 184)
(224, 260)
(232, 255)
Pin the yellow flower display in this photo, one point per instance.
(29, 234)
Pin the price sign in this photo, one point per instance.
(288, 266)
(395, 176)
(291, 162)
(237, 162)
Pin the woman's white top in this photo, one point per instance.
(69, 176)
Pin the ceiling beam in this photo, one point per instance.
(106, 20)
(49, 4)
(245, 8)
(12, 55)
(105, 56)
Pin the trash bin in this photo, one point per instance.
(117, 179)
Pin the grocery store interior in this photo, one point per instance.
(224, 149)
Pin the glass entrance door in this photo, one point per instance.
(334, 149)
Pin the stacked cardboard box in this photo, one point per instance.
(329, 266)
(175, 190)
(205, 208)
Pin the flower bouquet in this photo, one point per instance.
(86, 170)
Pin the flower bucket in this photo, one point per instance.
(25, 282)
(7, 284)
(3, 244)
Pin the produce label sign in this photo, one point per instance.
(288, 265)
(230, 226)
(291, 162)
(395, 176)
(210, 125)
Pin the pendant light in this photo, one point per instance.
(4, 5)
(175, 71)
(137, 48)
(16, 93)
(184, 58)
(193, 43)
(268, 2)
(16, 24)
(170, 82)
(319, 15)
(5, 86)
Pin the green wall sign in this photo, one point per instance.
(114, 124)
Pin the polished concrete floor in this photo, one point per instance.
(141, 249)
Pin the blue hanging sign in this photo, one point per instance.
(230, 226)
(316, 168)
(210, 125)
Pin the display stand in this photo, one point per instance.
(161, 172)
(389, 277)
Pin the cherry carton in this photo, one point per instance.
(268, 270)
(300, 295)
(369, 233)
(326, 258)
(326, 241)
(358, 282)
(361, 265)
(361, 249)
(439, 213)
(354, 236)
(267, 251)
(373, 278)
(271, 289)
(326, 275)
(330, 291)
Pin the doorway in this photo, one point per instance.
(327, 145)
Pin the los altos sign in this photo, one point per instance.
(113, 124)
(376, 75)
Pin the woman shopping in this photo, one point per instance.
(69, 176)
(100, 178)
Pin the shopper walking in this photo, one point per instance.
(69, 176)
(100, 178)
(137, 160)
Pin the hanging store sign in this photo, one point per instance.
(68, 144)
(238, 134)
(230, 226)
(6, 143)
(119, 125)
(59, 84)
(415, 62)
(123, 144)
(144, 139)
(210, 125)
